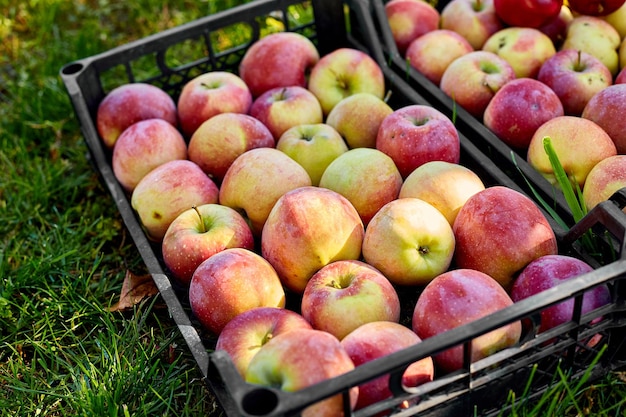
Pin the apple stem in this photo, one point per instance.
(478, 6)
(387, 96)
(201, 219)
(579, 61)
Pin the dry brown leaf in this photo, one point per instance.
(134, 289)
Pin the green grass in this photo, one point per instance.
(64, 251)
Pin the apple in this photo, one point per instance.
(231, 282)
(575, 76)
(256, 180)
(298, 359)
(596, 37)
(221, 139)
(308, 228)
(143, 146)
(578, 143)
(283, 107)
(518, 109)
(458, 297)
(410, 19)
(200, 232)
(499, 231)
(168, 190)
(444, 185)
(343, 72)
(432, 52)
(345, 294)
(556, 29)
(314, 146)
(617, 19)
(357, 119)
(606, 108)
(409, 241)
(367, 177)
(415, 134)
(604, 179)
(472, 80)
(622, 54)
(621, 77)
(475, 20)
(525, 48)
(209, 94)
(549, 271)
(247, 332)
(596, 7)
(530, 13)
(130, 103)
(376, 340)
(278, 59)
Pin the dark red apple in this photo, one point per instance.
(595, 7)
(530, 13)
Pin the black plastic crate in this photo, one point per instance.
(170, 58)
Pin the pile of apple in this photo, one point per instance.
(530, 70)
(269, 185)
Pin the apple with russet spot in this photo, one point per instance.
(376, 340)
(410, 19)
(607, 108)
(221, 139)
(409, 241)
(231, 282)
(475, 20)
(314, 146)
(474, 78)
(431, 53)
(499, 231)
(308, 228)
(342, 73)
(247, 332)
(256, 180)
(575, 77)
(459, 297)
(518, 109)
(604, 179)
(209, 94)
(367, 177)
(281, 108)
(168, 190)
(444, 185)
(200, 232)
(279, 59)
(415, 134)
(143, 146)
(130, 103)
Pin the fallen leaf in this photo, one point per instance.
(135, 288)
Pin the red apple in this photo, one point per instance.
(548, 271)
(221, 139)
(475, 20)
(556, 29)
(209, 94)
(575, 77)
(499, 231)
(343, 295)
(168, 190)
(607, 108)
(200, 232)
(432, 52)
(130, 103)
(279, 59)
(529, 13)
(376, 340)
(247, 332)
(604, 179)
(459, 297)
(144, 146)
(518, 109)
(308, 228)
(256, 180)
(231, 282)
(298, 359)
(621, 77)
(472, 80)
(416, 134)
(595, 7)
(409, 19)
(281, 108)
